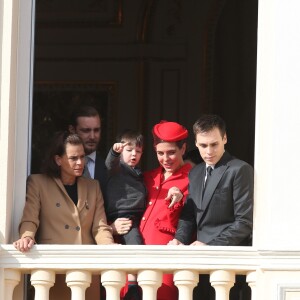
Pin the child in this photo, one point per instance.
(126, 192)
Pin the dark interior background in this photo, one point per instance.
(142, 61)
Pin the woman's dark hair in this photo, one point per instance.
(58, 147)
(157, 140)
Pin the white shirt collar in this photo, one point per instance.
(213, 166)
(92, 156)
(91, 163)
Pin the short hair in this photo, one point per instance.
(131, 136)
(58, 146)
(83, 111)
(194, 156)
(208, 122)
(157, 140)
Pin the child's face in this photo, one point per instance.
(131, 155)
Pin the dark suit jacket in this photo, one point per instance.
(223, 214)
(101, 173)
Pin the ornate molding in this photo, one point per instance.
(78, 13)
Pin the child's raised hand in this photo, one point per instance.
(118, 147)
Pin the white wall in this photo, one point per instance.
(8, 26)
(24, 88)
(277, 165)
(15, 83)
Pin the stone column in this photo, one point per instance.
(78, 281)
(150, 281)
(222, 281)
(113, 281)
(186, 280)
(252, 279)
(12, 279)
(42, 280)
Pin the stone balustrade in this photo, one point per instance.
(113, 262)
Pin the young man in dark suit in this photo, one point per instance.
(86, 122)
(219, 208)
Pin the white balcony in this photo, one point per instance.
(270, 274)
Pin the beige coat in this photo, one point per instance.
(51, 217)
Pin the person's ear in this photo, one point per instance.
(72, 129)
(183, 149)
(225, 139)
(57, 159)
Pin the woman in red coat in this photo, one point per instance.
(159, 223)
(165, 186)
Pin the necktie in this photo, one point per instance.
(208, 175)
(86, 172)
(209, 170)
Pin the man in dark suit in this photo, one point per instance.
(219, 208)
(86, 122)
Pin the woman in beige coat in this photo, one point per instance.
(64, 208)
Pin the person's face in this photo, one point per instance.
(169, 156)
(89, 129)
(72, 162)
(131, 155)
(211, 145)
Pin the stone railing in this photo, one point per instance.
(149, 262)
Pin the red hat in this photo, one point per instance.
(170, 131)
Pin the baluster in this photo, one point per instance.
(12, 279)
(150, 281)
(252, 279)
(113, 281)
(186, 280)
(222, 281)
(78, 281)
(42, 280)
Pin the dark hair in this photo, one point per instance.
(83, 111)
(207, 123)
(131, 136)
(157, 140)
(58, 147)
(194, 156)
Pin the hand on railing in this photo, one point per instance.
(198, 243)
(24, 244)
(195, 243)
(174, 242)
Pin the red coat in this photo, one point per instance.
(159, 223)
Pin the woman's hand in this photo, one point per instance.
(174, 195)
(198, 243)
(121, 226)
(24, 244)
(174, 242)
